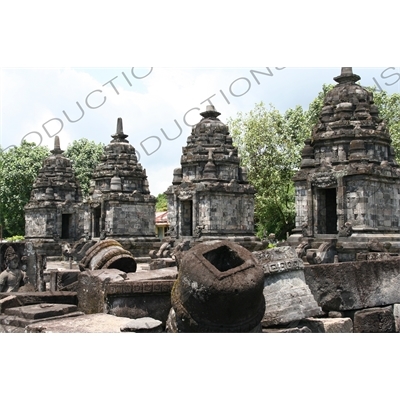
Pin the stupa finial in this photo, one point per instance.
(57, 147)
(119, 136)
(119, 126)
(347, 76)
(210, 112)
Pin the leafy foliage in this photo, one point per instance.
(18, 170)
(270, 146)
(161, 204)
(15, 238)
(314, 109)
(85, 155)
(389, 111)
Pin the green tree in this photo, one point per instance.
(161, 204)
(270, 145)
(314, 109)
(18, 170)
(85, 155)
(389, 111)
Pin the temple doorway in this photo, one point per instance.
(327, 212)
(187, 218)
(96, 222)
(66, 225)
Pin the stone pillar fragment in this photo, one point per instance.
(287, 296)
(108, 254)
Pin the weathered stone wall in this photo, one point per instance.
(373, 203)
(355, 285)
(38, 223)
(301, 191)
(46, 221)
(219, 211)
(226, 213)
(130, 219)
(86, 216)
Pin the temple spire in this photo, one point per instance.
(57, 147)
(119, 136)
(347, 76)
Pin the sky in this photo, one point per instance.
(158, 105)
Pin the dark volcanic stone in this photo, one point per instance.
(355, 285)
(219, 289)
(374, 320)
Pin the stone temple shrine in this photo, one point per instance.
(348, 185)
(210, 197)
(54, 211)
(120, 204)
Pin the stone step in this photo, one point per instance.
(30, 298)
(93, 323)
(40, 311)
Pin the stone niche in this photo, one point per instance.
(348, 184)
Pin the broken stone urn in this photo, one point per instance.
(108, 254)
(287, 295)
(219, 289)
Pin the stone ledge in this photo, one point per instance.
(29, 298)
